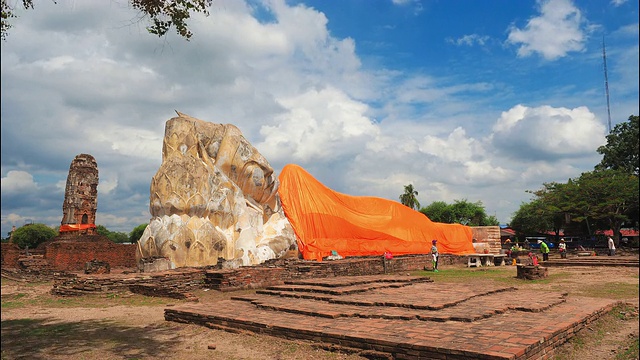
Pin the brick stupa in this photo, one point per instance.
(81, 197)
(78, 243)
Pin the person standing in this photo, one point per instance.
(435, 255)
(612, 246)
(562, 247)
(544, 249)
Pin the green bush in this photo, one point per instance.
(136, 233)
(116, 237)
(32, 235)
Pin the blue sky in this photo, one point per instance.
(465, 100)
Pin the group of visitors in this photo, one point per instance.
(544, 250)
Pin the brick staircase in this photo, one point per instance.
(404, 317)
(627, 261)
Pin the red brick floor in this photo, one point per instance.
(405, 317)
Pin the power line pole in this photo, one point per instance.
(606, 83)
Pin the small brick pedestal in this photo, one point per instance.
(532, 272)
(97, 267)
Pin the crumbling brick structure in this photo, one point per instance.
(72, 252)
(81, 196)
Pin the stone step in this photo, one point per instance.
(593, 261)
(342, 281)
(339, 290)
(440, 296)
(471, 309)
(422, 320)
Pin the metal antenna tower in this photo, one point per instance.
(606, 83)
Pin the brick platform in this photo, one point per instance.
(404, 317)
(627, 261)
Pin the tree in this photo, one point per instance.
(622, 151)
(531, 218)
(597, 200)
(609, 198)
(460, 212)
(116, 237)
(438, 211)
(32, 235)
(409, 197)
(555, 204)
(136, 233)
(101, 230)
(471, 214)
(162, 14)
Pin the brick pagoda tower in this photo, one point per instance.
(81, 197)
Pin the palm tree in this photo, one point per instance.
(409, 197)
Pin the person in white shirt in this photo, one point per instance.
(562, 247)
(612, 246)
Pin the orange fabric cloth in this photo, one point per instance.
(326, 220)
(76, 227)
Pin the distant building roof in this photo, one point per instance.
(624, 232)
(507, 232)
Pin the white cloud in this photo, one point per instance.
(617, 3)
(107, 186)
(18, 182)
(546, 131)
(417, 5)
(558, 30)
(456, 147)
(317, 125)
(469, 40)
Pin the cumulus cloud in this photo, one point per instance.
(18, 182)
(558, 30)
(545, 132)
(456, 147)
(318, 125)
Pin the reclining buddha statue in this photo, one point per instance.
(214, 196)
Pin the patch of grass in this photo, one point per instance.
(5, 281)
(612, 290)
(13, 301)
(465, 274)
(505, 275)
(630, 350)
(31, 328)
(595, 334)
(21, 300)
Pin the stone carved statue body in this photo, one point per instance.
(214, 196)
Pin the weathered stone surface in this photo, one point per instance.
(97, 267)
(532, 272)
(214, 196)
(81, 196)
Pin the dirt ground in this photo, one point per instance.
(126, 327)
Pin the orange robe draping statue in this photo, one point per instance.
(325, 220)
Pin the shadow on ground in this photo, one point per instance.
(44, 339)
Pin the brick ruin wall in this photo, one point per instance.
(73, 255)
(488, 237)
(170, 283)
(10, 255)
